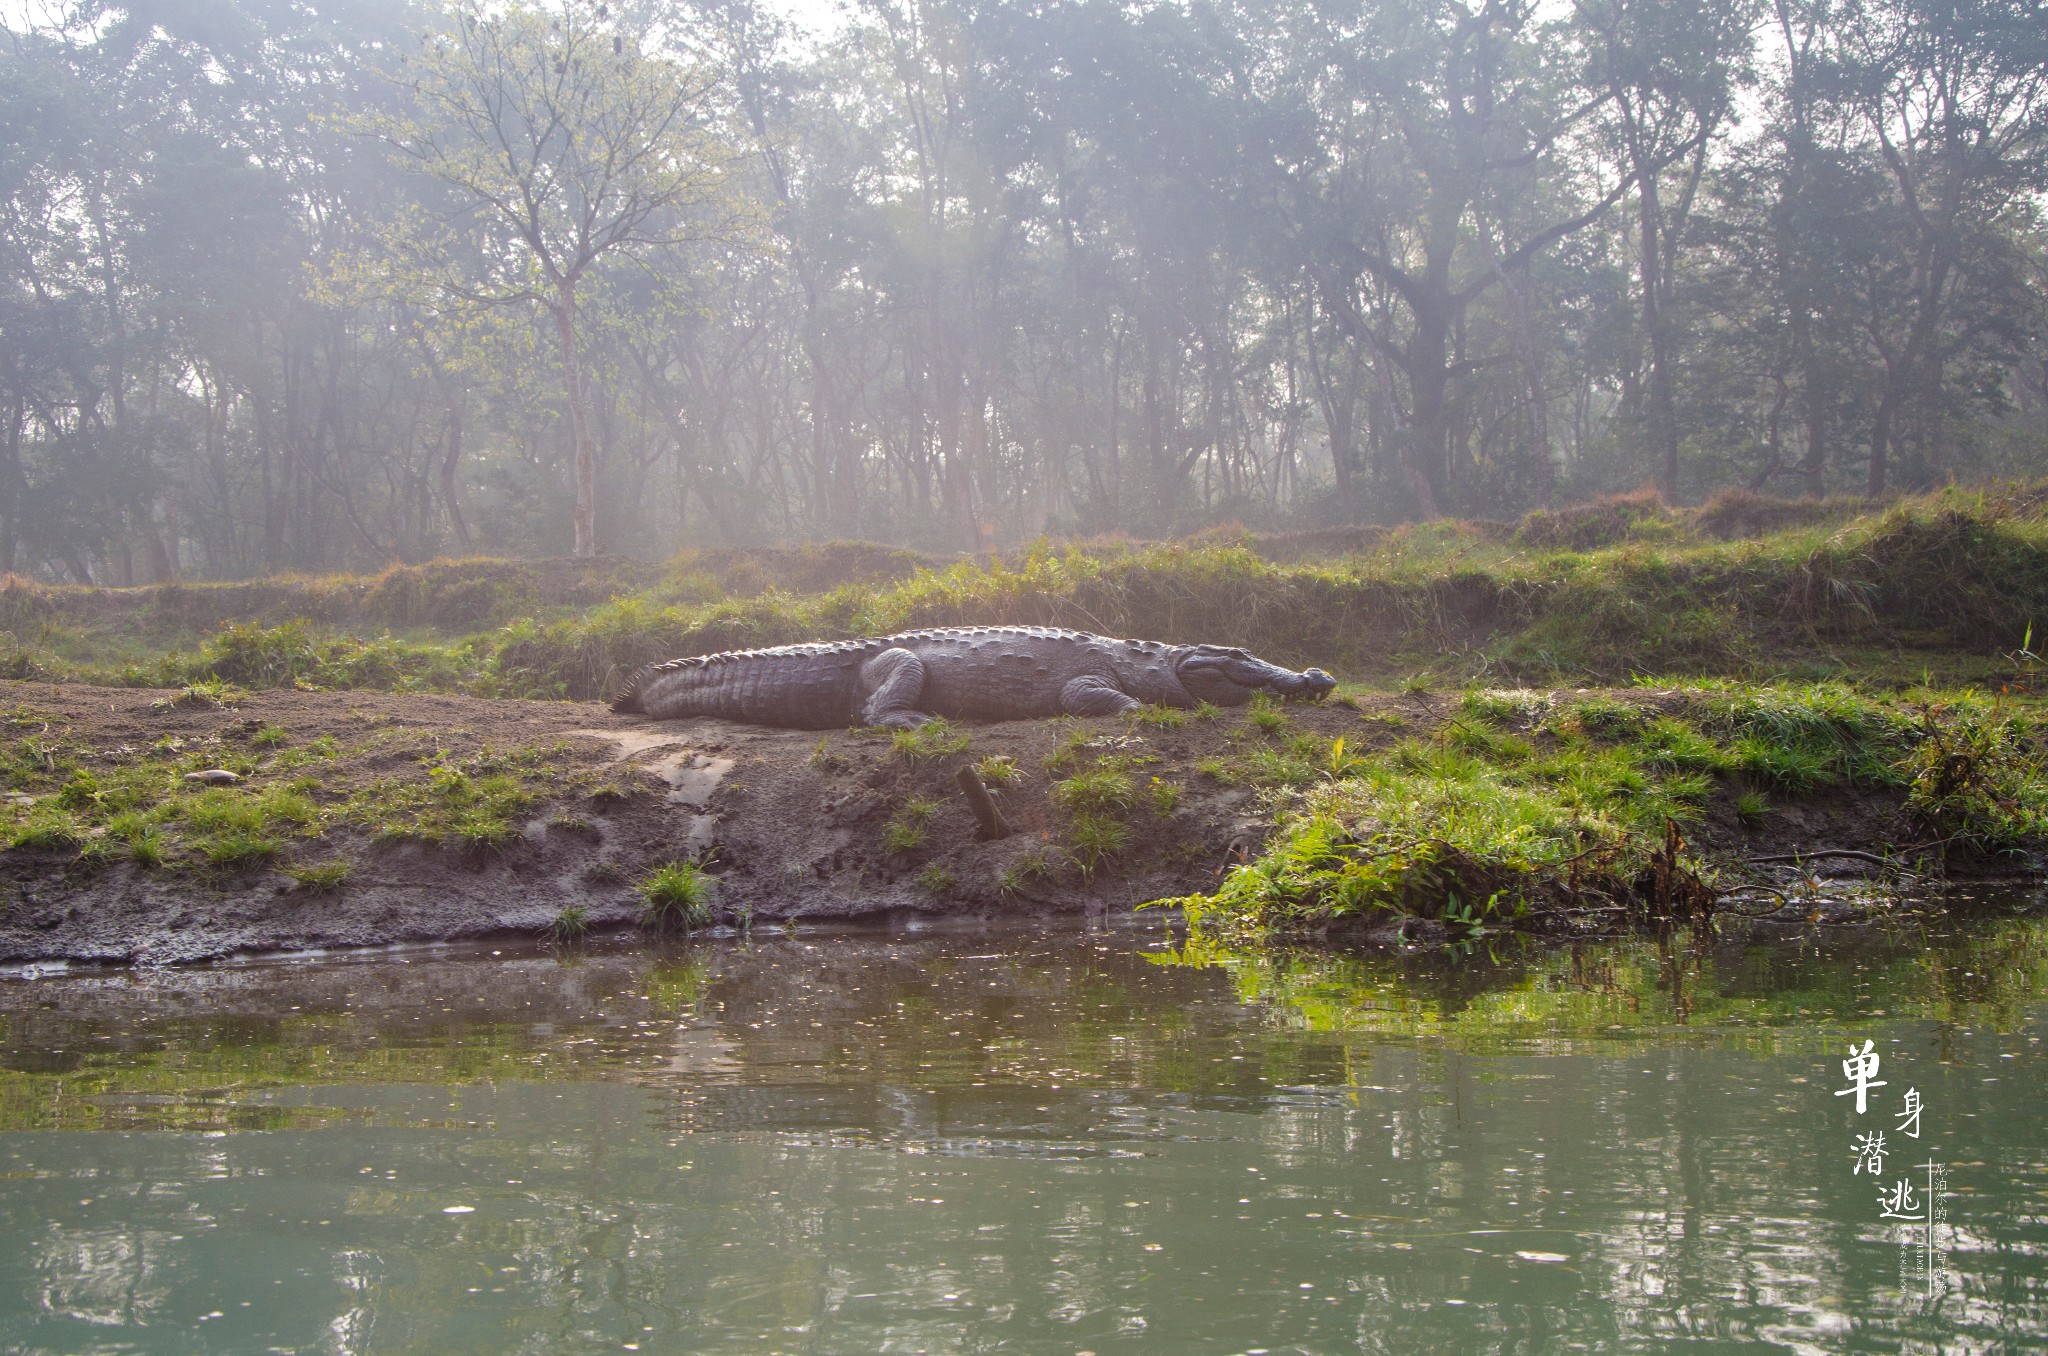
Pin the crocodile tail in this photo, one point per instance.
(627, 703)
(802, 686)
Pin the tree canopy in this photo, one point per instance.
(299, 284)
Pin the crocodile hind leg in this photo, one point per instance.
(1092, 696)
(894, 682)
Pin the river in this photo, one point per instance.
(1084, 1140)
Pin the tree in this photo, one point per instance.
(562, 138)
(1443, 171)
(1670, 68)
(1954, 94)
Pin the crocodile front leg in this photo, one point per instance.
(894, 682)
(1093, 696)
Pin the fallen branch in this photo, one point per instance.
(983, 805)
(1795, 857)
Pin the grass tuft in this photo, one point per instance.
(1265, 715)
(1093, 838)
(320, 878)
(1100, 790)
(1018, 875)
(933, 739)
(999, 771)
(1165, 796)
(569, 925)
(676, 897)
(907, 828)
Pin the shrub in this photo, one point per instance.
(1980, 782)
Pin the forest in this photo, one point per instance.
(306, 285)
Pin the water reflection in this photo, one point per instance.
(1088, 1141)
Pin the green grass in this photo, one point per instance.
(1095, 802)
(1160, 717)
(320, 878)
(1100, 790)
(936, 879)
(1948, 583)
(238, 847)
(1508, 708)
(1093, 838)
(908, 826)
(1164, 795)
(933, 739)
(474, 802)
(111, 804)
(143, 839)
(1073, 745)
(1016, 876)
(999, 771)
(569, 925)
(1980, 779)
(1266, 715)
(675, 897)
(1588, 811)
(80, 792)
(46, 829)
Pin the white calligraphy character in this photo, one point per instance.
(1899, 1202)
(1869, 1151)
(1861, 1066)
(1909, 1119)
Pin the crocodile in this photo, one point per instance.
(969, 672)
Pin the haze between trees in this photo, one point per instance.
(972, 272)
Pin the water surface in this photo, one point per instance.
(1017, 1142)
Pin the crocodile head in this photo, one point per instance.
(1229, 677)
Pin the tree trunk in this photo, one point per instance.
(1812, 402)
(448, 462)
(1429, 380)
(163, 545)
(1339, 404)
(1881, 442)
(11, 485)
(1522, 337)
(1663, 419)
(579, 423)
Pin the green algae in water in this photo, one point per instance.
(1088, 1141)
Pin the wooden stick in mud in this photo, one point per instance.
(983, 805)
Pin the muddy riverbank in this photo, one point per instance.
(398, 845)
(359, 818)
